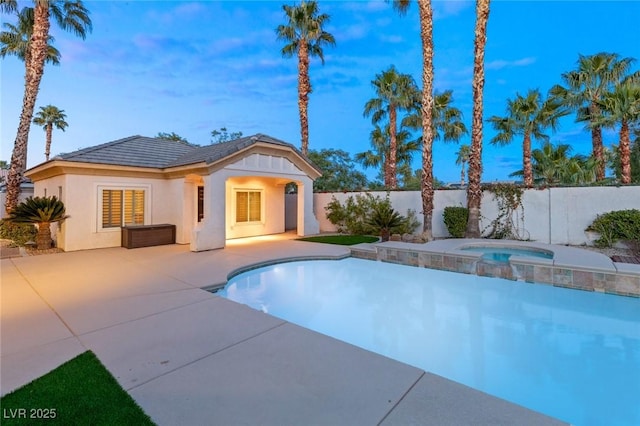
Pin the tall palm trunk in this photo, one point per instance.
(47, 146)
(393, 148)
(304, 88)
(526, 160)
(34, 71)
(387, 172)
(625, 152)
(426, 184)
(596, 141)
(462, 174)
(474, 191)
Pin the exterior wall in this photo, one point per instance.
(174, 201)
(80, 196)
(272, 207)
(555, 215)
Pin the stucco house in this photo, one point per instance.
(210, 193)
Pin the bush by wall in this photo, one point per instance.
(19, 233)
(617, 225)
(455, 219)
(355, 215)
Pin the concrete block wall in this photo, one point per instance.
(553, 215)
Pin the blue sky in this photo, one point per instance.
(191, 67)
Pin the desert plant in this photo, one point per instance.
(350, 217)
(383, 220)
(455, 219)
(353, 216)
(18, 233)
(41, 211)
(617, 225)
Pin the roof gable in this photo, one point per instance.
(215, 152)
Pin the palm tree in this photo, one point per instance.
(394, 92)
(379, 156)
(446, 120)
(614, 162)
(42, 211)
(527, 116)
(305, 36)
(70, 15)
(474, 191)
(426, 108)
(15, 40)
(622, 106)
(462, 158)
(553, 164)
(47, 117)
(586, 86)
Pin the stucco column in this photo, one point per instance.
(307, 222)
(210, 232)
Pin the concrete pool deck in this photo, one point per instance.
(190, 357)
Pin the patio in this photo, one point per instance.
(190, 357)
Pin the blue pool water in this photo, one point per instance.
(571, 354)
(502, 254)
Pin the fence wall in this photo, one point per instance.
(554, 215)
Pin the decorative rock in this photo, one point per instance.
(395, 237)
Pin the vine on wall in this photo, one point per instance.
(509, 199)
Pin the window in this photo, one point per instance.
(121, 207)
(248, 206)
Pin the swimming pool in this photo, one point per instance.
(570, 354)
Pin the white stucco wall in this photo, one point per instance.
(81, 199)
(272, 206)
(174, 201)
(556, 215)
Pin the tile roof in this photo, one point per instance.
(218, 151)
(136, 151)
(140, 151)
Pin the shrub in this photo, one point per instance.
(384, 219)
(19, 233)
(617, 225)
(42, 211)
(354, 216)
(455, 218)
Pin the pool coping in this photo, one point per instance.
(570, 267)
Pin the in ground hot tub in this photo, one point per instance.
(502, 253)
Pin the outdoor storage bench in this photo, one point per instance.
(148, 235)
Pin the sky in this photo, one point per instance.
(191, 67)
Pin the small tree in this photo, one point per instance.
(41, 211)
(384, 219)
(222, 135)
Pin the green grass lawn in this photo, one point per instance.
(79, 392)
(344, 240)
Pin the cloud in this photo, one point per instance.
(184, 10)
(391, 38)
(366, 6)
(446, 8)
(502, 63)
